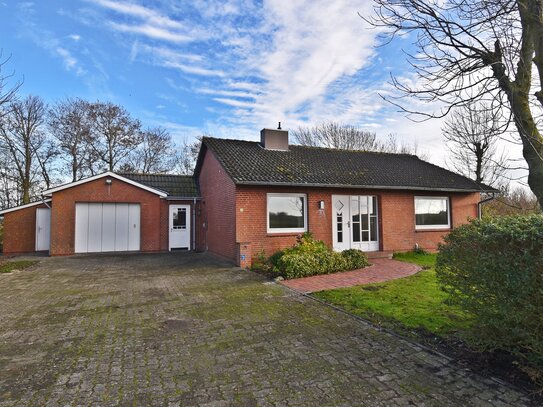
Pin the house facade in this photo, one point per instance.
(248, 199)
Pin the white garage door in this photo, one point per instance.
(107, 227)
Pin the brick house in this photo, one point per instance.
(248, 198)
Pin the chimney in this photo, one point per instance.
(274, 139)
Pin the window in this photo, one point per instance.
(432, 213)
(180, 219)
(287, 213)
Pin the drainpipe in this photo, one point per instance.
(194, 224)
(480, 203)
(45, 203)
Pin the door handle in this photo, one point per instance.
(348, 223)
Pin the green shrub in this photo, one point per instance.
(356, 259)
(310, 257)
(260, 262)
(493, 269)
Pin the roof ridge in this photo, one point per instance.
(154, 174)
(316, 147)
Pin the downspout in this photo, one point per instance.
(194, 224)
(45, 203)
(480, 203)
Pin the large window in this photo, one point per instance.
(287, 213)
(432, 213)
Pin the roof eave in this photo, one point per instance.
(316, 185)
(182, 198)
(111, 174)
(17, 208)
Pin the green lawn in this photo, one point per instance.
(9, 266)
(407, 304)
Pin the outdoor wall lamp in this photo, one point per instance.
(108, 181)
(321, 204)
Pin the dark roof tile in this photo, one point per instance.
(248, 163)
(174, 185)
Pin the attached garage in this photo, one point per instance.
(108, 213)
(107, 227)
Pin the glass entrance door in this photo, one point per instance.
(355, 223)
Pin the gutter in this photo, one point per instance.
(183, 198)
(481, 202)
(404, 188)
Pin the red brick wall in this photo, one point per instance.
(218, 208)
(20, 230)
(396, 217)
(398, 214)
(63, 213)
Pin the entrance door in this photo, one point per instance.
(355, 224)
(179, 227)
(43, 229)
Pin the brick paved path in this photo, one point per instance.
(380, 270)
(186, 330)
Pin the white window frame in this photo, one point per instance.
(427, 227)
(285, 230)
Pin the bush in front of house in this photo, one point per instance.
(493, 269)
(309, 257)
(356, 259)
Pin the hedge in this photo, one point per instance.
(493, 269)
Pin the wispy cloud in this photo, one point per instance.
(152, 31)
(70, 62)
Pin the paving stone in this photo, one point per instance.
(185, 329)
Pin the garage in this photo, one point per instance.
(107, 227)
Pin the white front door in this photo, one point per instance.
(354, 222)
(43, 229)
(179, 227)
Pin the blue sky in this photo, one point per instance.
(224, 68)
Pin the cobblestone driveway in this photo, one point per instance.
(184, 329)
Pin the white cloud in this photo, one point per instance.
(75, 37)
(150, 23)
(152, 31)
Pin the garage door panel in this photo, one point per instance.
(81, 227)
(121, 227)
(108, 227)
(95, 227)
(134, 227)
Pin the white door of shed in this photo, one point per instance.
(107, 227)
(43, 229)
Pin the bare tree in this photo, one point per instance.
(7, 93)
(469, 51)
(186, 156)
(70, 124)
(156, 154)
(516, 201)
(472, 133)
(22, 139)
(392, 145)
(335, 135)
(9, 187)
(115, 134)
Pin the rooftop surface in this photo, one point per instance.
(174, 185)
(248, 163)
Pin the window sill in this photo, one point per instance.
(283, 234)
(448, 229)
